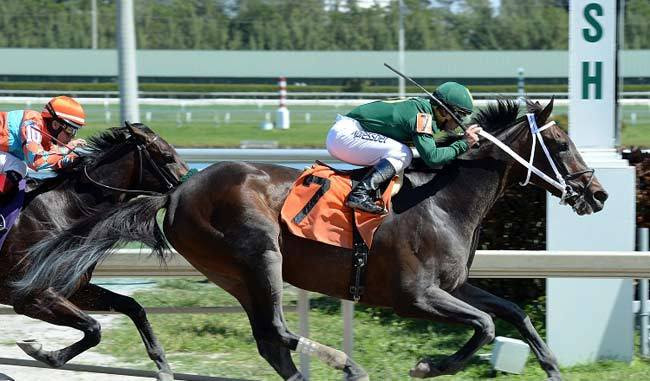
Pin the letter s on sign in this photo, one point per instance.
(597, 33)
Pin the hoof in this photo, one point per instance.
(34, 349)
(164, 376)
(297, 377)
(30, 346)
(354, 372)
(555, 378)
(425, 369)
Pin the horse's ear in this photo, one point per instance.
(532, 106)
(546, 112)
(129, 127)
(135, 132)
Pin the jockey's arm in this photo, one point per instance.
(434, 156)
(37, 158)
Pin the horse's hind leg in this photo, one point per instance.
(269, 327)
(95, 298)
(53, 308)
(435, 304)
(514, 315)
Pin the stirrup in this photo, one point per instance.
(359, 206)
(3, 224)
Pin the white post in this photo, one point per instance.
(589, 319)
(348, 326)
(93, 22)
(129, 109)
(644, 314)
(303, 314)
(401, 44)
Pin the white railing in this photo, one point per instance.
(352, 101)
(274, 94)
(487, 264)
(276, 155)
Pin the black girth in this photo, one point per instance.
(359, 262)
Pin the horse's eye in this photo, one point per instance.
(168, 157)
(564, 146)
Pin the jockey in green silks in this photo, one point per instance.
(376, 133)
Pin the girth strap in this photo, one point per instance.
(359, 262)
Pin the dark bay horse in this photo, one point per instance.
(225, 221)
(118, 165)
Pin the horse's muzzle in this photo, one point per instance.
(590, 200)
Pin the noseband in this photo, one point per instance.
(162, 174)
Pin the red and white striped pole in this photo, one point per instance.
(283, 91)
(282, 114)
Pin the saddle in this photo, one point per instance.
(315, 208)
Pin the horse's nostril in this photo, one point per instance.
(601, 196)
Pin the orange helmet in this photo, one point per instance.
(66, 110)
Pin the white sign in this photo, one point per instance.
(592, 73)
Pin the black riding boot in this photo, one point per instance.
(362, 196)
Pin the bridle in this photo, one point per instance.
(560, 182)
(163, 174)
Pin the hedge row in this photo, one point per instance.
(350, 86)
(642, 163)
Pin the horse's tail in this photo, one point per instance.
(59, 262)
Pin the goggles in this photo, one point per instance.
(68, 128)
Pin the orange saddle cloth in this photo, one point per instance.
(315, 208)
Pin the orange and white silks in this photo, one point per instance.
(23, 134)
(315, 209)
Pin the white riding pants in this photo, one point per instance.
(349, 142)
(9, 162)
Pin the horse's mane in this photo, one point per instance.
(496, 117)
(97, 146)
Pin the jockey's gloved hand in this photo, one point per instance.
(14, 177)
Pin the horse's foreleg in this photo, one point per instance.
(270, 329)
(514, 315)
(53, 308)
(92, 297)
(436, 304)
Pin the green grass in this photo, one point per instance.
(386, 345)
(227, 126)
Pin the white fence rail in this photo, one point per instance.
(487, 264)
(274, 94)
(274, 101)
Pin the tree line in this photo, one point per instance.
(307, 24)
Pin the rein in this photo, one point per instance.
(561, 182)
(166, 178)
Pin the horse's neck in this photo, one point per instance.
(82, 199)
(479, 181)
(476, 187)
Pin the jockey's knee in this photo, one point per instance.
(400, 159)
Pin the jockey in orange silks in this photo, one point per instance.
(38, 140)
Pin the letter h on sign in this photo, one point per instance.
(596, 80)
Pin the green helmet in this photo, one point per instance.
(455, 96)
